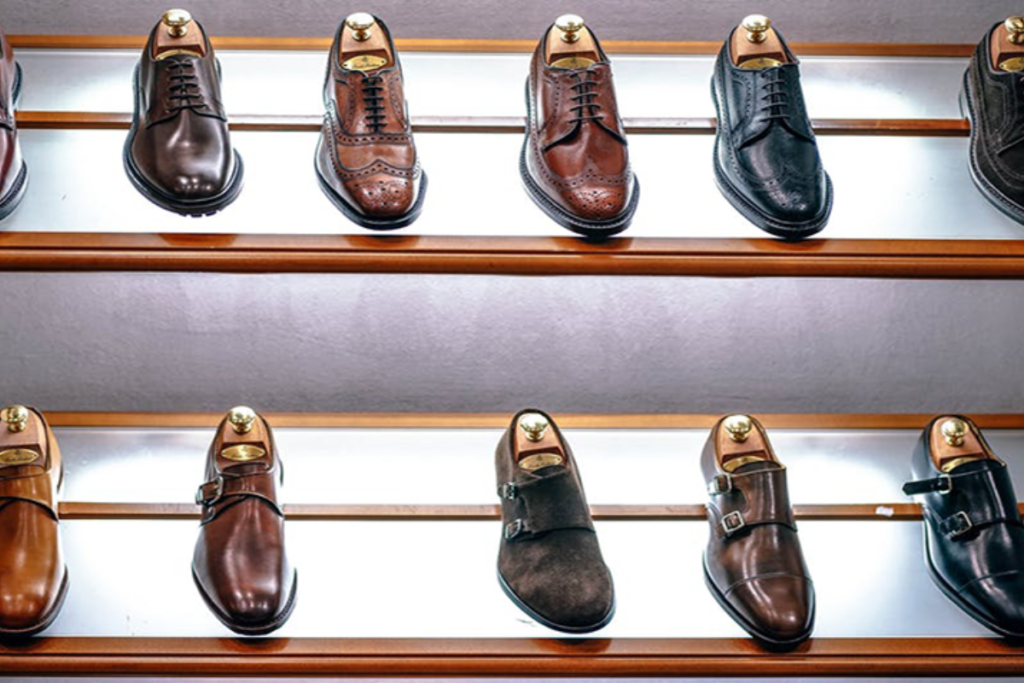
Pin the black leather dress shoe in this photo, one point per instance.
(766, 157)
(993, 101)
(974, 539)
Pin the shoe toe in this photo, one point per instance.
(254, 605)
(779, 608)
(597, 203)
(1000, 599)
(24, 610)
(386, 197)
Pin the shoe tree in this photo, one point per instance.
(1007, 45)
(364, 47)
(178, 35)
(755, 45)
(954, 443)
(570, 45)
(740, 444)
(536, 445)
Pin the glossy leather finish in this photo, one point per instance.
(178, 153)
(240, 564)
(753, 564)
(33, 578)
(13, 171)
(366, 158)
(993, 101)
(974, 539)
(575, 159)
(766, 157)
(550, 562)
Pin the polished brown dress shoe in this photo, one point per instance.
(575, 163)
(33, 578)
(178, 153)
(240, 564)
(13, 171)
(366, 159)
(753, 565)
(550, 563)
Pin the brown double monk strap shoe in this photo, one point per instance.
(550, 563)
(366, 159)
(575, 160)
(240, 563)
(33, 578)
(753, 565)
(178, 153)
(13, 171)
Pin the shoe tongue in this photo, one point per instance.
(752, 467)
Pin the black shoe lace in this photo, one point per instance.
(184, 92)
(774, 100)
(585, 109)
(374, 101)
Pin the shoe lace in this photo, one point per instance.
(373, 98)
(183, 88)
(585, 109)
(774, 99)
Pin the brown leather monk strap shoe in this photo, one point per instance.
(13, 171)
(33, 578)
(550, 563)
(240, 563)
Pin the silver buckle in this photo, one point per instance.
(201, 498)
(508, 491)
(513, 529)
(719, 484)
(964, 524)
(945, 485)
(732, 523)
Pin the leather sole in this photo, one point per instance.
(773, 226)
(249, 629)
(47, 619)
(764, 638)
(987, 189)
(589, 628)
(365, 221)
(17, 192)
(580, 226)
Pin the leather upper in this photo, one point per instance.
(10, 151)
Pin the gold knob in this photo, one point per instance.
(570, 25)
(242, 419)
(954, 431)
(360, 23)
(738, 427)
(757, 26)
(535, 425)
(16, 418)
(177, 21)
(1015, 27)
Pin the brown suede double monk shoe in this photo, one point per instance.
(575, 163)
(366, 159)
(33, 578)
(550, 563)
(240, 563)
(753, 564)
(178, 153)
(13, 171)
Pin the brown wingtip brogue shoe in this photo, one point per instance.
(178, 153)
(13, 170)
(550, 563)
(753, 565)
(366, 159)
(240, 565)
(33, 577)
(575, 160)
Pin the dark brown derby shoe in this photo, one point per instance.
(33, 578)
(366, 158)
(178, 153)
(550, 563)
(575, 162)
(753, 565)
(13, 171)
(240, 563)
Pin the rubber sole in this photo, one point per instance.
(590, 628)
(17, 192)
(783, 229)
(364, 221)
(580, 226)
(47, 619)
(252, 629)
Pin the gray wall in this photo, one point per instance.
(921, 21)
(168, 341)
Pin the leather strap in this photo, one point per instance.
(743, 501)
(36, 489)
(976, 499)
(549, 503)
(226, 489)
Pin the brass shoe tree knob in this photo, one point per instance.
(177, 22)
(360, 23)
(738, 427)
(570, 25)
(242, 419)
(16, 418)
(534, 425)
(954, 431)
(1015, 27)
(757, 27)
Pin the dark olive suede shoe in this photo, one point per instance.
(550, 563)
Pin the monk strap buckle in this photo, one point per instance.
(513, 529)
(959, 524)
(732, 523)
(944, 485)
(719, 484)
(508, 491)
(218, 491)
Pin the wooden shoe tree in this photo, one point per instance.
(755, 45)
(740, 442)
(364, 45)
(570, 45)
(954, 443)
(536, 444)
(20, 438)
(1007, 45)
(244, 440)
(178, 35)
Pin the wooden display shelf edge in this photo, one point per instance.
(500, 657)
